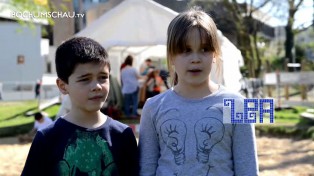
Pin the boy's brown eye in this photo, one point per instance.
(84, 79)
(105, 76)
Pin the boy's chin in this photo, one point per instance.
(94, 108)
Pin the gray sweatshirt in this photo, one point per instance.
(180, 136)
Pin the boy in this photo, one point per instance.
(84, 141)
(41, 122)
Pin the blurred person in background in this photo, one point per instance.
(41, 121)
(37, 88)
(130, 88)
(65, 106)
(146, 66)
(153, 83)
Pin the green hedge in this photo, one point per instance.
(16, 130)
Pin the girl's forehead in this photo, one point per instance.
(197, 35)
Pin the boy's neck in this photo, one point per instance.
(86, 120)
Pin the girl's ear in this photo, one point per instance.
(62, 86)
(214, 58)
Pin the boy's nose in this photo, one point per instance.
(95, 86)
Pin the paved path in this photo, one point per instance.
(276, 156)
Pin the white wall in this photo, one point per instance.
(17, 40)
(51, 57)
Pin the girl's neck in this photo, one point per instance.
(196, 92)
(86, 119)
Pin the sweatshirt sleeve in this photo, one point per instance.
(36, 163)
(148, 143)
(244, 150)
(130, 161)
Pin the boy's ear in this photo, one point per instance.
(62, 86)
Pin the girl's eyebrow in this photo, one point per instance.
(205, 44)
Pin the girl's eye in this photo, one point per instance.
(187, 50)
(205, 50)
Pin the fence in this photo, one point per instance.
(15, 91)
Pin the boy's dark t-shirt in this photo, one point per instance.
(67, 149)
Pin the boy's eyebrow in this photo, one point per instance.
(82, 76)
(87, 74)
(106, 73)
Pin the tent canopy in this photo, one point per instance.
(131, 23)
(139, 27)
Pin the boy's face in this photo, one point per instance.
(88, 87)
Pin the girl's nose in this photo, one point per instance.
(195, 58)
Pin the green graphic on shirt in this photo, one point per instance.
(87, 153)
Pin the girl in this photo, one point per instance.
(182, 130)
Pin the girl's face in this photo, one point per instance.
(88, 87)
(194, 64)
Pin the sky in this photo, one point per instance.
(303, 16)
(306, 14)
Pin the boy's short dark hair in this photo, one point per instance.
(78, 50)
(38, 116)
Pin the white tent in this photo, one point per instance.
(139, 27)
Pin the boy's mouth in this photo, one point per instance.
(96, 97)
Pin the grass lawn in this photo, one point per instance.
(14, 119)
(13, 115)
(288, 123)
(290, 116)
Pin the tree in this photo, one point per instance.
(287, 10)
(31, 10)
(294, 5)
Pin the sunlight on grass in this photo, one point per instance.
(13, 113)
(52, 111)
(20, 120)
(10, 109)
(289, 115)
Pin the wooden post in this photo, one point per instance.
(278, 88)
(303, 87)
(268, 70)
(286, 86)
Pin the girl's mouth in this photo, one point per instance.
(195, 70)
